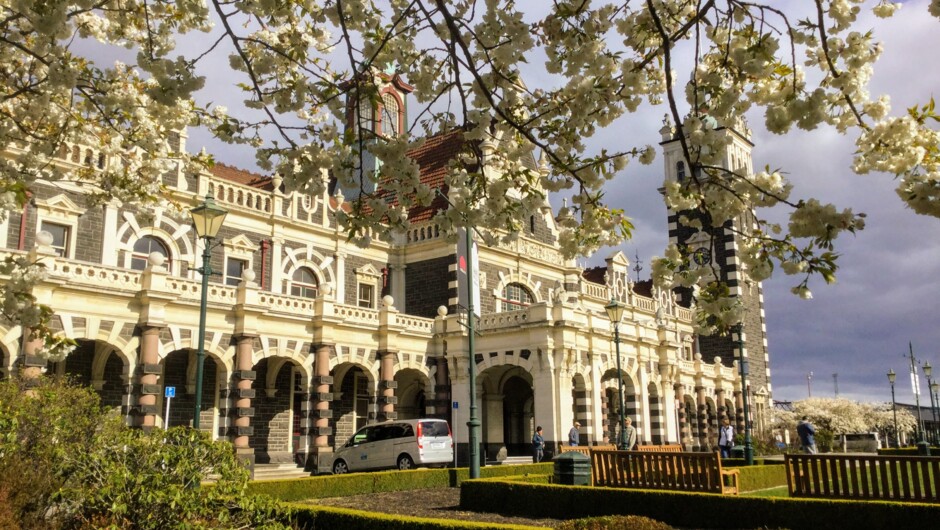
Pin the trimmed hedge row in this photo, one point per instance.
(753, 478)
(907, 451)
(362, 483)
(740, 462)
(698, 510)
(309, 517)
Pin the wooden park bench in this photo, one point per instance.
(671, 448)
(662, 470)
(851, 476)
(585, 449)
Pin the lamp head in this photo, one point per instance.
(614, 311)
(927, 369)
(892, 376)
(208, 218)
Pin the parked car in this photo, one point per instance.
(402, 444)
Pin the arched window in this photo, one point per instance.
(391, 115)
(304, 283)
(680, 171)
(146, 246)
(515, 297)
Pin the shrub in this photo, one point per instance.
(41, 425)
(615, 522)
(67, 463)
(134, 479)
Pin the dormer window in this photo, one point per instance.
(391, 115)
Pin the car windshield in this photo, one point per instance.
(434, 428)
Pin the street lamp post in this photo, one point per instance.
(615, 313)
(473, 426)
(933, 410)
(894, 408)
(207, 220)
(933, 388)
(742, 362)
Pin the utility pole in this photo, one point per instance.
(835, 383)
(809, 384)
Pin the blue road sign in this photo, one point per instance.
(456, 404)
(169, 392)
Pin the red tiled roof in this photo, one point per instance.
(644, 288)
(594, 275)
(434, 160)
(433, 157)
(241, 176)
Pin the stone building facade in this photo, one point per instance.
(309, 337)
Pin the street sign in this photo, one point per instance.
(169, 392)
(456, 404)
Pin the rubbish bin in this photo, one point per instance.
(737, 451)
(572, 468)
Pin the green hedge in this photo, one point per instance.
(310, 517)
(907, 451)
(753, 478)
(740, 462)
(698, 510)
(363, 483)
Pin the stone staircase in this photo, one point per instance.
(279, 471)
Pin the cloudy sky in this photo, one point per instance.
(887, 287)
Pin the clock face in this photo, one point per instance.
(702, 256)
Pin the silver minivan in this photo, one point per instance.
(402, 444)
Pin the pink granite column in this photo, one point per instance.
(387, 385)
(244, 374)
(150, 387)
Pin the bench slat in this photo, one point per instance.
(911, 478)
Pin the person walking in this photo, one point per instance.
(807, 435)
(629, 435)
(726, 438)
(538, 445)
(574, 435)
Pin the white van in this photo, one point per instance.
(402, 444)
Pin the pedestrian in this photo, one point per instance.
(725, 438)
(574, 435)
(807, 436)
(629, 435)
(538, 445)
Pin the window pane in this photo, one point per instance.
(233, 271)
(142, 250)
(516, 297)
(366, 295)
(304, 283)
(60, 237)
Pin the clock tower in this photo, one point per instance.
(718, 247)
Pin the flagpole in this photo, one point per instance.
(915, 387)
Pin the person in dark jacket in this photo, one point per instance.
(807, 436)
(538, 445)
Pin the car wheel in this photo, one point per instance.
(339, 467)
(405, 462)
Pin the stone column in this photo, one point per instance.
(442, 405)
(386, 399)
(720, 403)
(702, 426)
(244, 375)
(33, 363)
(150, 387)
(739, 411)
(684, 433)
(319, 458)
